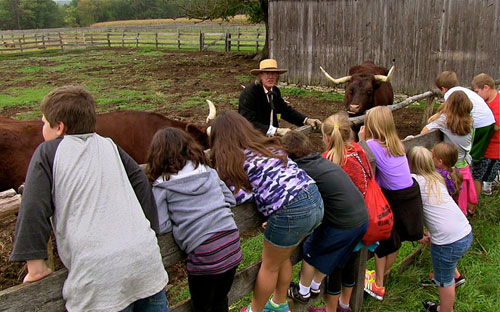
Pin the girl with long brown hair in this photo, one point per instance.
(455, 122)
(285, 194)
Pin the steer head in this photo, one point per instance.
(359, 93)
(361, 90)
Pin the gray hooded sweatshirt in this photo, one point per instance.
(193, 204)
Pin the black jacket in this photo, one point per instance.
(255, 107)
(344, 205)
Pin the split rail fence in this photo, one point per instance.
(20, 43)
(46, 295)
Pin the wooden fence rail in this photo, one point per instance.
(46, 295)
(224, 41)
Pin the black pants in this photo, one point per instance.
(341, 277)
(209, 292)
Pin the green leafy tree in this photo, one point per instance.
(10, 14)
(26, 14)
(93, 11)
(214, 9)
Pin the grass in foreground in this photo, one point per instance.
(480, 265)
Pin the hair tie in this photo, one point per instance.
(336, 127)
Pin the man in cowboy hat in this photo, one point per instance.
(261, 102)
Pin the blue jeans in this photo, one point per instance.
(287, 226)
(445, 259)
(154, 303)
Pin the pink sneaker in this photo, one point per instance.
(316, 309)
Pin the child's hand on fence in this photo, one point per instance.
(426, 240)
(264, 225)
(37, 269)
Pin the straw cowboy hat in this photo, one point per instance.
(268, 65)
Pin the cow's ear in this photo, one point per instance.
(198, 133)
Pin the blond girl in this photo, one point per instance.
(450, 233)
(445, 156)
(402, 192)
(343, 151)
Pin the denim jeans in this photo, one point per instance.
(155, 303)
(296, 219)
(445, 259)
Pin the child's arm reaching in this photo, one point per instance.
(37, 269)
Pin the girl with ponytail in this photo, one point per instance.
(343, 151)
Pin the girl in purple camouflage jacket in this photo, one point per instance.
(285, 194)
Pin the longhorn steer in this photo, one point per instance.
(131, 130)
(368, 86)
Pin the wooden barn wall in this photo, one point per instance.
(425, 37)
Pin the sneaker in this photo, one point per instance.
(369, 275)
(430, 306)
(427, 282)
(373, 290)
(315, 292)
(459, 281)
(293, 292)
(487, 189)
(271, 307)
(340, 309)
(316, 309)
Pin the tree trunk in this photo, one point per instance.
(264, 53)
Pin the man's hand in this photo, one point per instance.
(37, 269)
(314, 123)
(282, 131)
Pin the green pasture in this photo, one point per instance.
(480, 267)
(122, 79)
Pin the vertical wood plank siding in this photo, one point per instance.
(425, 37)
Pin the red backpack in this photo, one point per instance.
(380, 218)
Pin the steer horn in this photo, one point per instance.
(387, 78)
(213, 111)
(335, 81)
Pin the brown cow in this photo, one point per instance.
(9, 44)
(369, 86)
(131, 130)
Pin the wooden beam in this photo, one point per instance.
(360, 119)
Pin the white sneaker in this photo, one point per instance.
(487, 188)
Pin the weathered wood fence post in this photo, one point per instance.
(202, 40)
(238, 42)
(178, 39)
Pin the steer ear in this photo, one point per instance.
(198, 133)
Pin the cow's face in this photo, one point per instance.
(359, 94)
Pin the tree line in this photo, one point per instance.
(32, 14)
